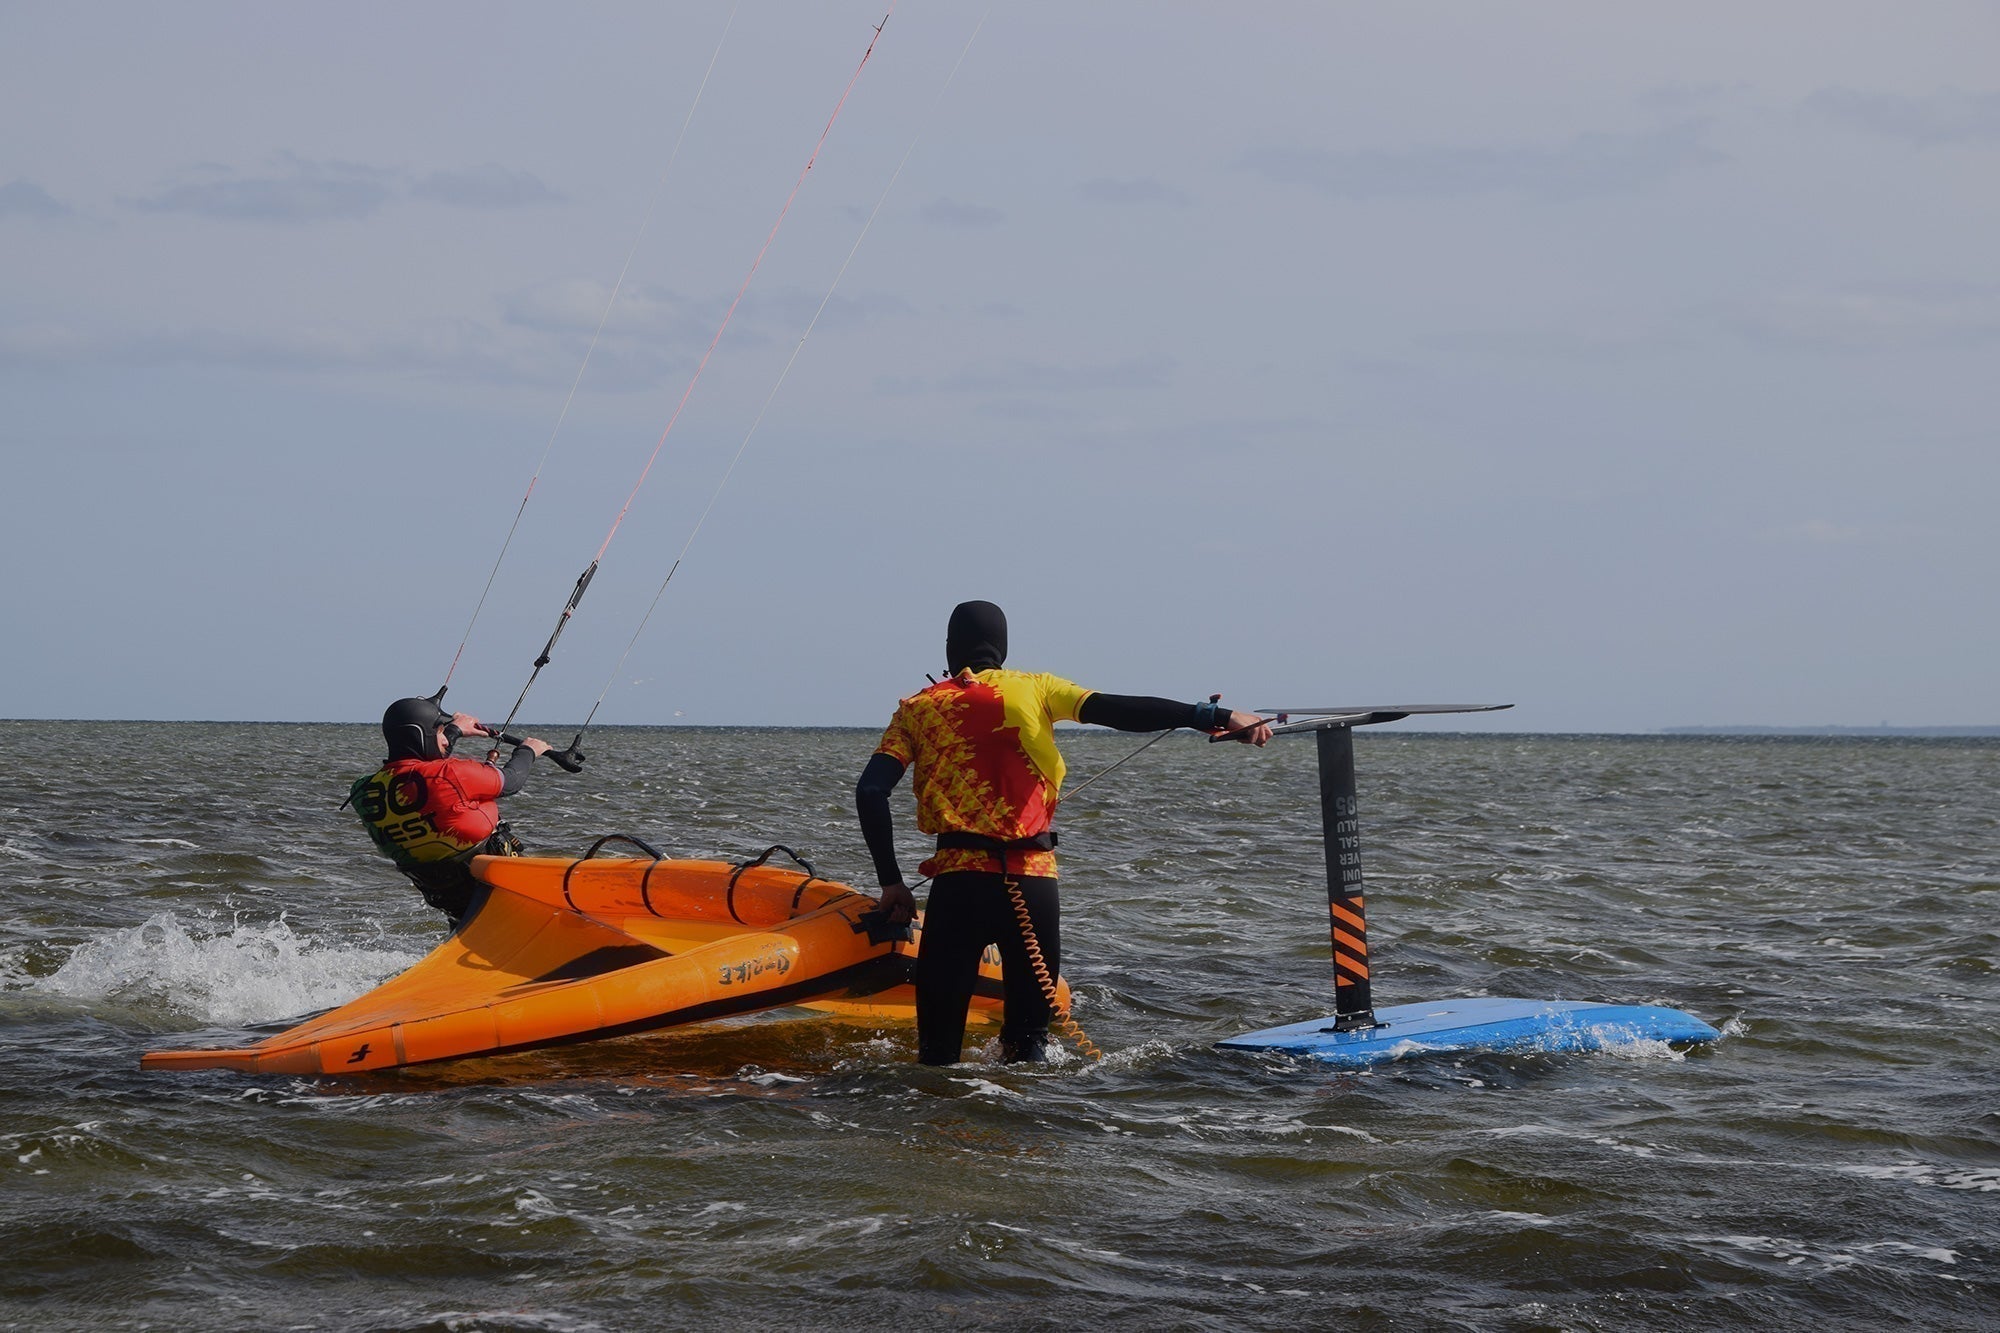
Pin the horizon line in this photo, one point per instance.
(1933, 730)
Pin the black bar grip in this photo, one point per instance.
(570, 760)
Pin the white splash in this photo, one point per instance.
(1980, 1179)
(985, 1088)
(1834, 1260)
(1625, 1044)
(769, 1078)
(241, 975)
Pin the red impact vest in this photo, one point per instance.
(422, 810)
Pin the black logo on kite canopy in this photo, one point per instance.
(359, 1055)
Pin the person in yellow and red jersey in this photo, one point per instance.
(988, 776)
(432, 813)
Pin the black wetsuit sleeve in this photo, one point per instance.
(871, 803)
(515, 775)
(1135, 712)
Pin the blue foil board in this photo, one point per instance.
(1485, 1023)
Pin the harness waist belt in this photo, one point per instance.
(979, 842)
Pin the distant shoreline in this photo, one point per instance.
(1883, 730)
(1829, 731)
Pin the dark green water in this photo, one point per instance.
(1834, 1162)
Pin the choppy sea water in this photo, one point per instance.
(1834, 1162)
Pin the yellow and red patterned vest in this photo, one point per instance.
(982, 752)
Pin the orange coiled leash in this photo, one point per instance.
(1064, 1023)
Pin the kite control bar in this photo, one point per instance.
(570, 760)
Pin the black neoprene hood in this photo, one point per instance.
(976, 637)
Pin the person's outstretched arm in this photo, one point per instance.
(1141, 712)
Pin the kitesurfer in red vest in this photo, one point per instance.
(988, 776)
(431, 813)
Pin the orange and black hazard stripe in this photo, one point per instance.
(1349, 921)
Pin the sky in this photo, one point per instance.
(1634, 365)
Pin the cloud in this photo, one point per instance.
(950, 213)
(1686, 98)
(1602, 335)
(651, 337)
(1195, 437)
(25, 199)
(650, 320)
(452, 351)
(1104, 190)
(1148, 372)
(1817, 532)
(298, 192)
(1939, 118)
(487, 187)
(790, 309)
(575, 305)
(1874, 317)
(1586, 165)
(1032, 377)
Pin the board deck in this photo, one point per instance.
(1483, 1023)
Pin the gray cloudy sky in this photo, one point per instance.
(1635, 364)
